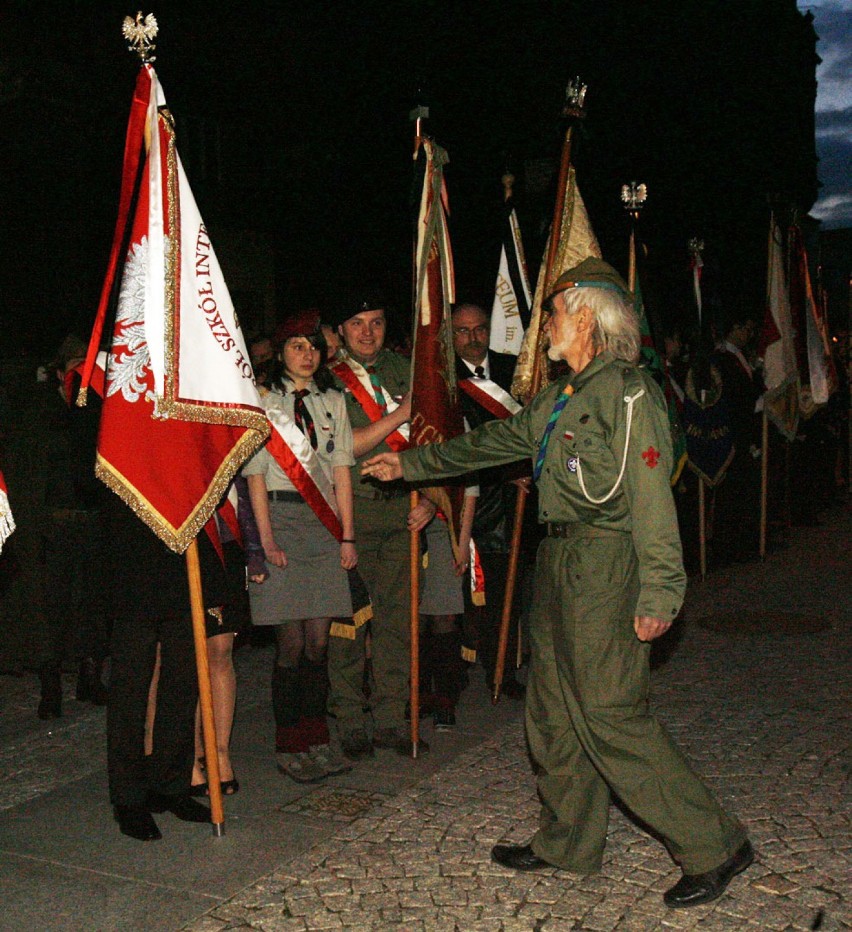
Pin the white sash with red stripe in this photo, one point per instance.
(356, 378)
(489, 395)
(293, 452)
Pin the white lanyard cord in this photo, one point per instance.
(630, 399)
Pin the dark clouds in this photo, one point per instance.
(833, 24)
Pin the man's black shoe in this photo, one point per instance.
(356, 744)
(518, 857)
(184, 808)
(137, 823)
(512, 689)
(393, 739)
(694, 889)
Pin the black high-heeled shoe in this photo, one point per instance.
(228, 787)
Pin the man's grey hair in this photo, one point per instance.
(616, 326)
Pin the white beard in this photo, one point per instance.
(556, 352)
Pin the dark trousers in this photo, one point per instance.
(168, 769)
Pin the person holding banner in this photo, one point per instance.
(308, 584)
(375, 383)
(609, 580)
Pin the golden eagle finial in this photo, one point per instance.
(140, 34)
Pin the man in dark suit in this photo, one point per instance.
(492, 523)
(736, 532)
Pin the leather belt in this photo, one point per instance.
(285, 495)
(562, 528)
(381, 495)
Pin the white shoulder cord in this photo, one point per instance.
(630, 399)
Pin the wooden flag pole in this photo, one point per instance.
(702, 527)
(205, 698)
(414, 619)
(509, 595)
(764, 482)
(417, 115)
(573, 110)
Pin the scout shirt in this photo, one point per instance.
(394, 373)
(334, 435)
(589, 439)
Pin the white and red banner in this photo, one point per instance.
(510, 312)
(816, 377)
(777, 346)
(7, 522)
(435, 409)
(181, 410)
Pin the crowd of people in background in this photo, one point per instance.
(94, 584)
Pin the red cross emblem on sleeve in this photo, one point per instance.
(651, 457)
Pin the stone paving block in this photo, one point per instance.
(449, 895)
(416, 899)
(207, 924)
(555, 924)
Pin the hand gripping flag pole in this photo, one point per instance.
(181, 411)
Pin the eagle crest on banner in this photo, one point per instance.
(130, 356)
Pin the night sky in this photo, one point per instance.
(292, 120)
(833, 22)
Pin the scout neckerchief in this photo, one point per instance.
(356, 378)
(376, 382)
(302, 416)
(561, 401)
(489, 395)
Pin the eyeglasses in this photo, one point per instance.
(481, 330)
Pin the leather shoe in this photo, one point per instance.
(184, 807)
(137, 823)
(355, 744)
(518, 857)
(694, 889)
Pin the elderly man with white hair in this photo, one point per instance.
(609, 580)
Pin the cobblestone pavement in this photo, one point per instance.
(754, 687)
(756, 692)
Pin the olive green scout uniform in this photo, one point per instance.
(602, 563)
(381, 513)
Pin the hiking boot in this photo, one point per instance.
(301, 767)
(330, 759)
(356, 744)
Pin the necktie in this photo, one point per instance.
(302, 416)
(377, 388)
(479, 372)
(561, 401)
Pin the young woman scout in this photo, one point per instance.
(301, 492)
